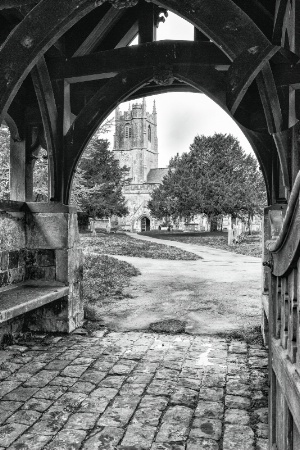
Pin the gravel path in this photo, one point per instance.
(216, 294)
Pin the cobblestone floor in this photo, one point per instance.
(133, 390)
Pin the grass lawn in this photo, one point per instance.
(251, 246)
(121, 244)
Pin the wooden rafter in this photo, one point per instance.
(45, 96)
(99, 32)
(244, 70)
(280, 10)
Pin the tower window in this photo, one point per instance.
(149, 133)
(128, 132)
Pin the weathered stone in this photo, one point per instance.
(95, 405)
(172, 432)
(21, 394)
(8, 386)
(29, 441)
(10, 432)
(206, 428)
(39, 405)
(195, 443)
(105, 439)
(235, 387)
(41, 379)
(161, 387)
(211, 394)
(74, 371)
(153, 402)
(184, 396)
(238, 437)
(237, 416)
(213, 410)
(238, 347)
(237, 402)
(115, 417)
(26, 417)
(262, 414)
(166, 446)
(81, 421)
(50, 392)
(147, 416)
(112, 382)
(93, 376)
(262, 444)
(63, 381)
(258, 363)
(141, 436)
(67, 439)
(83, 387)
(262, 430)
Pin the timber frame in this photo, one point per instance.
(65, 65)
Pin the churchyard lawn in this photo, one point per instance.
(251, 246)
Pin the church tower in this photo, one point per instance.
(135, 140)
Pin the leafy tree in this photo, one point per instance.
(215, 177)
(98, 182)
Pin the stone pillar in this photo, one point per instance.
(17, 170)
(54, 226)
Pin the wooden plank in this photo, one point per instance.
(288, 379)
(145, 55)
(11, 206)
(25, 298)
(99, 32)
(265, 303)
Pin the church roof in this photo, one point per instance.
(156, 175)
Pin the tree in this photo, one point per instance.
(98, 182)
(214, 178)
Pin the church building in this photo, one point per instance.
(136, 146)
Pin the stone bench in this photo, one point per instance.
(19, 299)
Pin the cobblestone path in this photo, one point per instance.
(133, 390)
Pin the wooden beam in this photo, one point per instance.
(129, 36)
(244, 70)
(45, 96)
(100, 31)
(146, 55)
(5, 4)
(280, 10)
(147, 28)
(270, 101)
(231, 29)
(35, 34)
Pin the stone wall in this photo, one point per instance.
(40, 243)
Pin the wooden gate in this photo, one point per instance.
(281, 284)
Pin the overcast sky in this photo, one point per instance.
(181, 116)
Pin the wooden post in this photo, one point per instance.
(17, 170)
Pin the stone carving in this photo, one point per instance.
(160, 16)
(163, 75)
(119, 4)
